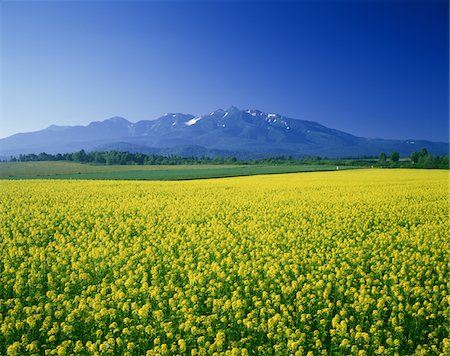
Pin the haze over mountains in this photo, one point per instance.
(231, 132)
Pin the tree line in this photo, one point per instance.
(120, 158)
(421, 159)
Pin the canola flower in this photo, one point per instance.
(333, 263)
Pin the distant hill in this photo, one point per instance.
(231, 132)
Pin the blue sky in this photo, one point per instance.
(371, 68)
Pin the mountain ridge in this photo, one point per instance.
(249, 133)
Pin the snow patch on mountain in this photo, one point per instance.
(193, 121)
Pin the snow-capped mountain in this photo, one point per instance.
(244, 133)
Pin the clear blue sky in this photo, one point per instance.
(371, 68)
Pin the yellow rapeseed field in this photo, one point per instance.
(335, 263)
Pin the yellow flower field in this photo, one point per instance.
(349, 262)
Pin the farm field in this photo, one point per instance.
(72, 170)
(321, 263)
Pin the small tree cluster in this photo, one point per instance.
(423, 159)
(394, 157)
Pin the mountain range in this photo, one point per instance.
(230, 132)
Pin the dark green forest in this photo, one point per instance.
(421, 159)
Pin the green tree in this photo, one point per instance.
(79, 156)
(423, 153)
(382, 157)
(395, 156)
(414, 157)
